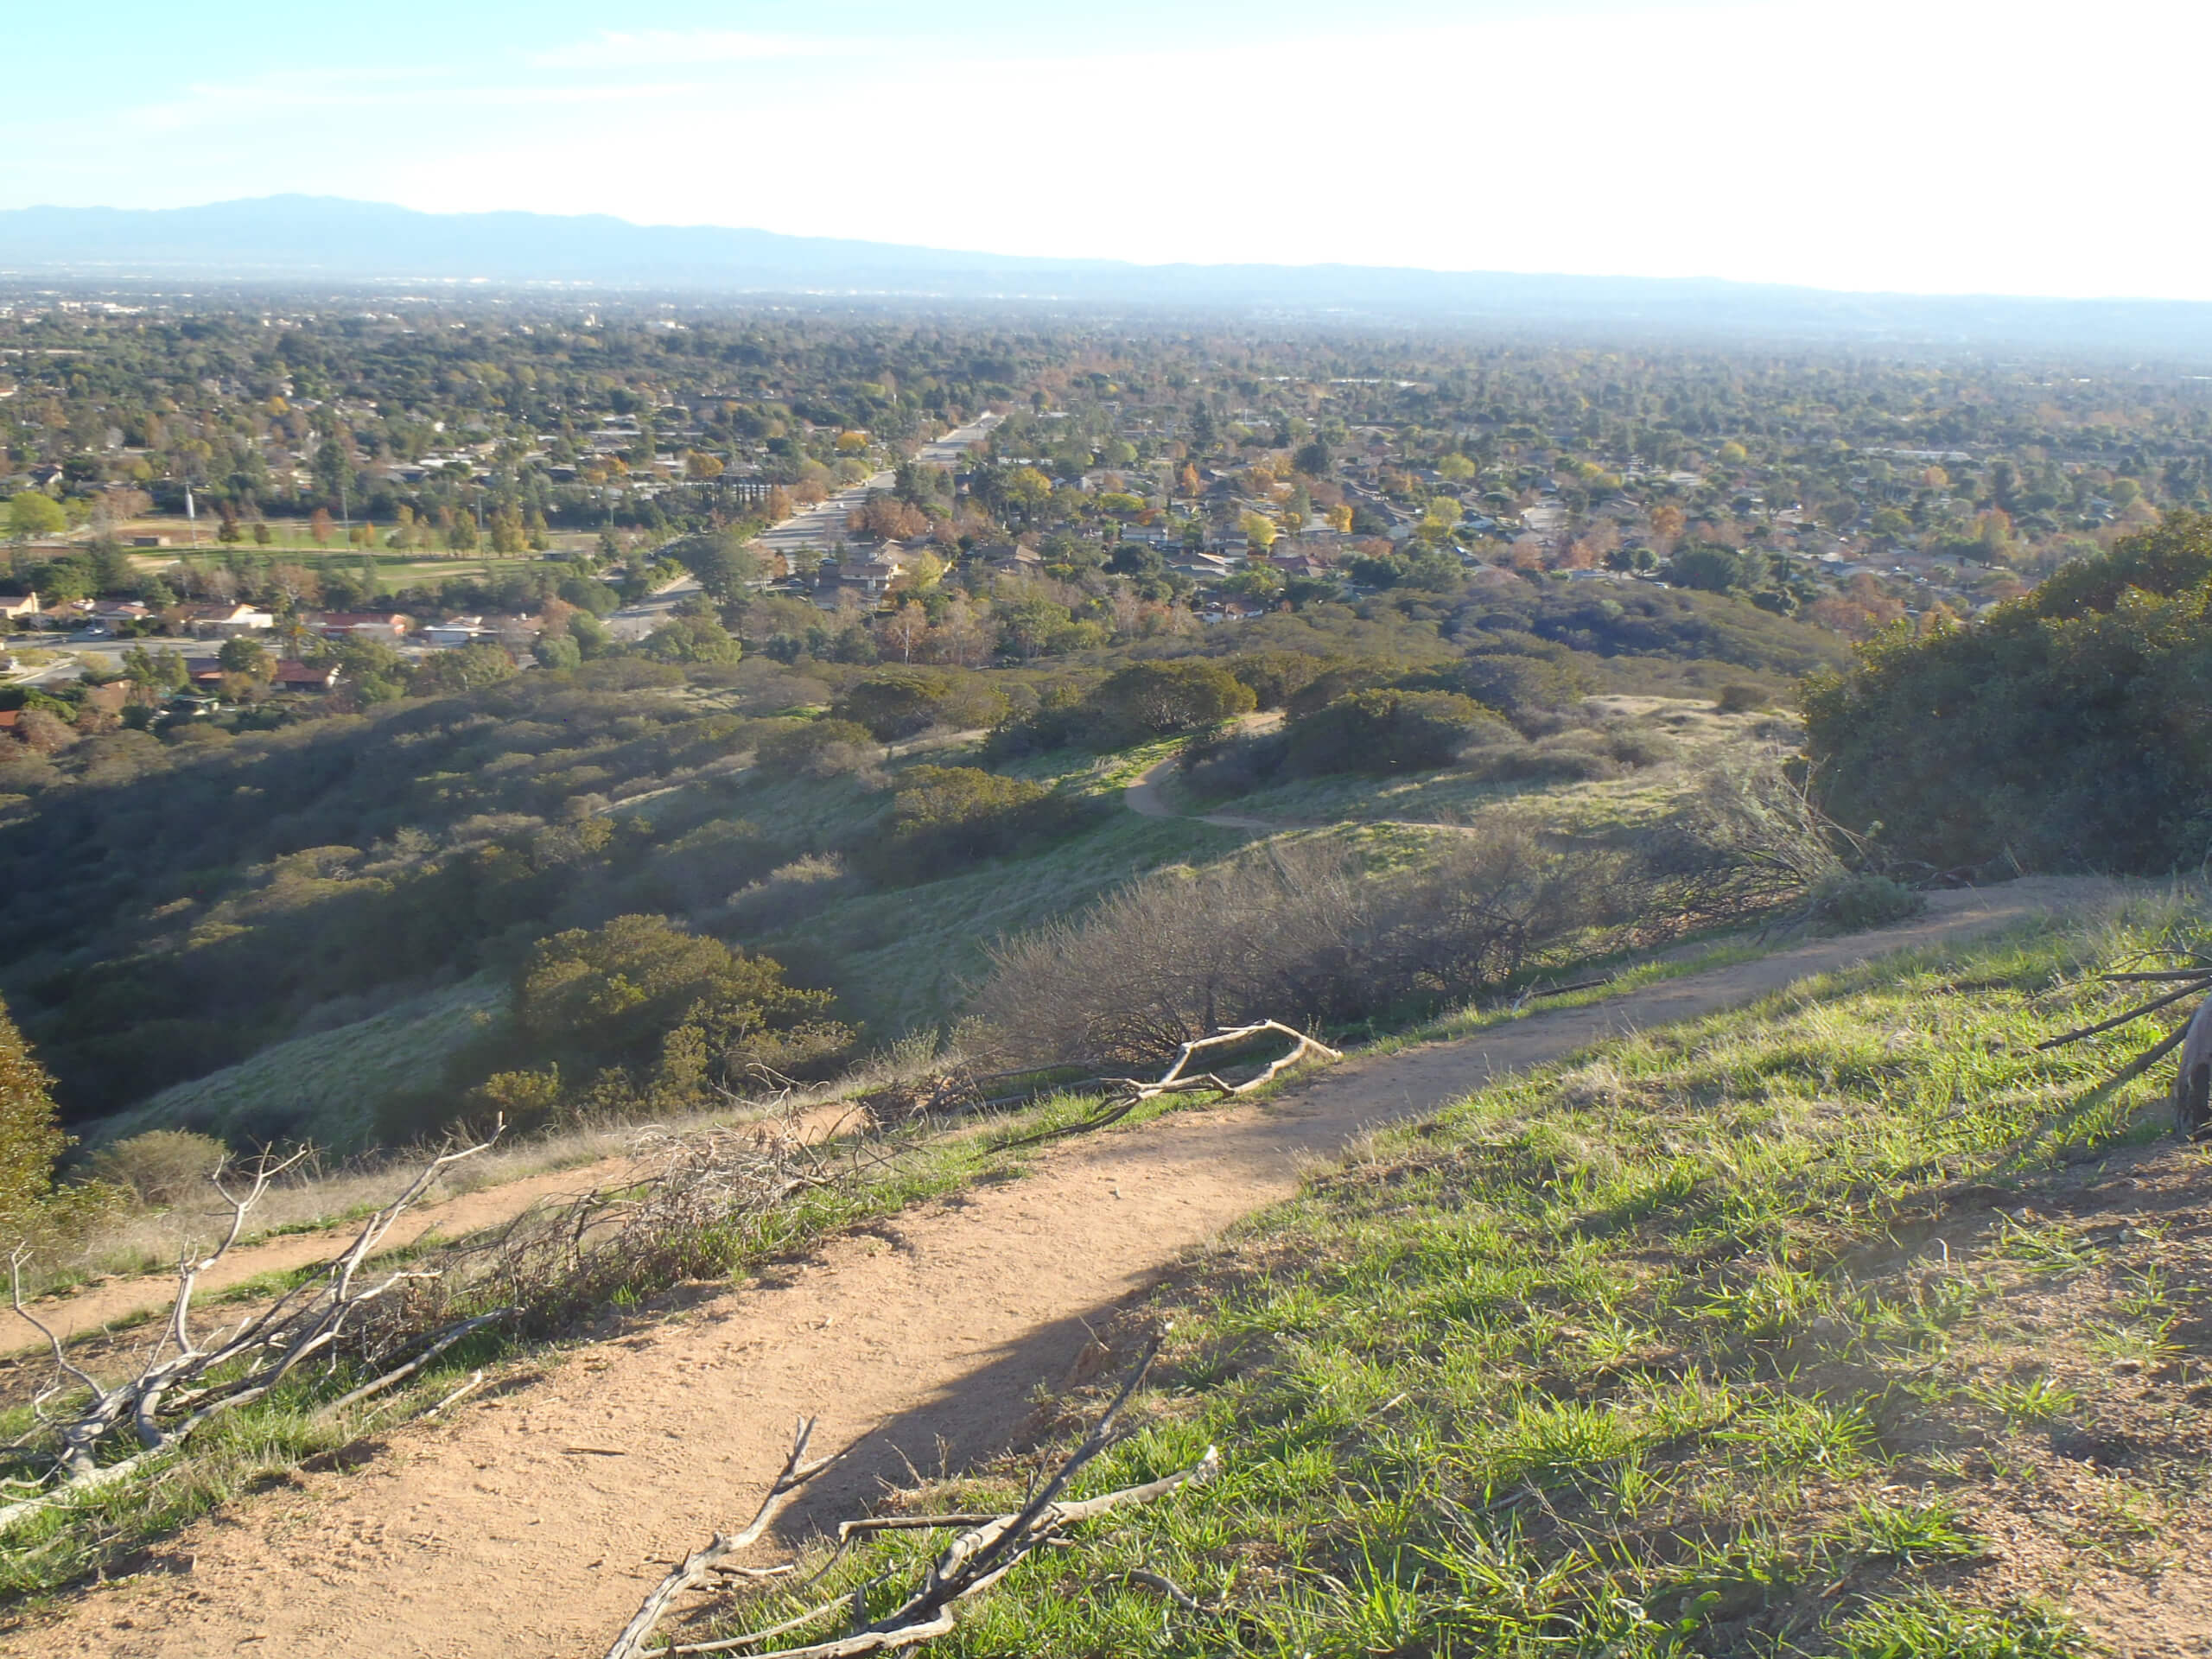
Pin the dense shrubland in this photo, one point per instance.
(2068, 730)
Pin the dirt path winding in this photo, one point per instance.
(531, 1523)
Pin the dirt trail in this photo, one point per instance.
(533, 1523)
(71, 1315)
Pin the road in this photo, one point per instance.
(820, 528)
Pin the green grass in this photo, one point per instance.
(1454, 795)
(395, 569)
(1654, 1352)
(324, 1087)
(906, 955)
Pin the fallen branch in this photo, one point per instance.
(2191, 1092)
(794, 1475)
(1173, 1082)
(986, 1549)
(184, 1380)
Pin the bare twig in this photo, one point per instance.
(796, 1473)
(987, 1548)
(1173, 1082)
(444, 1340)
(2200, 983)
(1167, 1587)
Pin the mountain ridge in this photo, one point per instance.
(281, 239)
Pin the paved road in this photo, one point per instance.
(822, 528)
(636, 622)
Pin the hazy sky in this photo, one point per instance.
(1946, 145)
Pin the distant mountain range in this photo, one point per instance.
(290, 240)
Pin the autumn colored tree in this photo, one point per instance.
(319, 526)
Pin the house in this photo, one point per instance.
(1203, 567)
(14, 609)
(223, 619)
(109, 699)
(204, 671)
(389, 626)
(304, 676)
(455, 631)
(116, 613)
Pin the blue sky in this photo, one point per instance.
(1942, 145)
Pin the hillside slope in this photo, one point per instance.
(927, 1337)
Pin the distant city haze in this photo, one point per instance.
(1938, 148)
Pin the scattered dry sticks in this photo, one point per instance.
(184, 1379)
(2192, 1087)
(1173, 1082)
(987, 1547)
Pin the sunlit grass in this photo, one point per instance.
(1596, 1362)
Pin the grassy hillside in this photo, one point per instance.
(323, 1087)
(1847, 1325)
(904, 957)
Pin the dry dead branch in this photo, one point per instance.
(663, 1220)
(693, 1569)
(1174, 1082)
(2191, 1093)
(185, 1378)
(987, 1547)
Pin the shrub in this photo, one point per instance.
(946, 817)
(1384, 731)
(163, 1166)
(1516, 682)
(820, 748)
(1561, 758)
(31, 1135)
(2072, 728)
(1331, 683)
(1154, 699)
(1739, 698)
(639, 1016)
(1303, 933)
(1851, 901)
(1276, 675)
(894, 703)
(794, 890)
(1234, 763)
